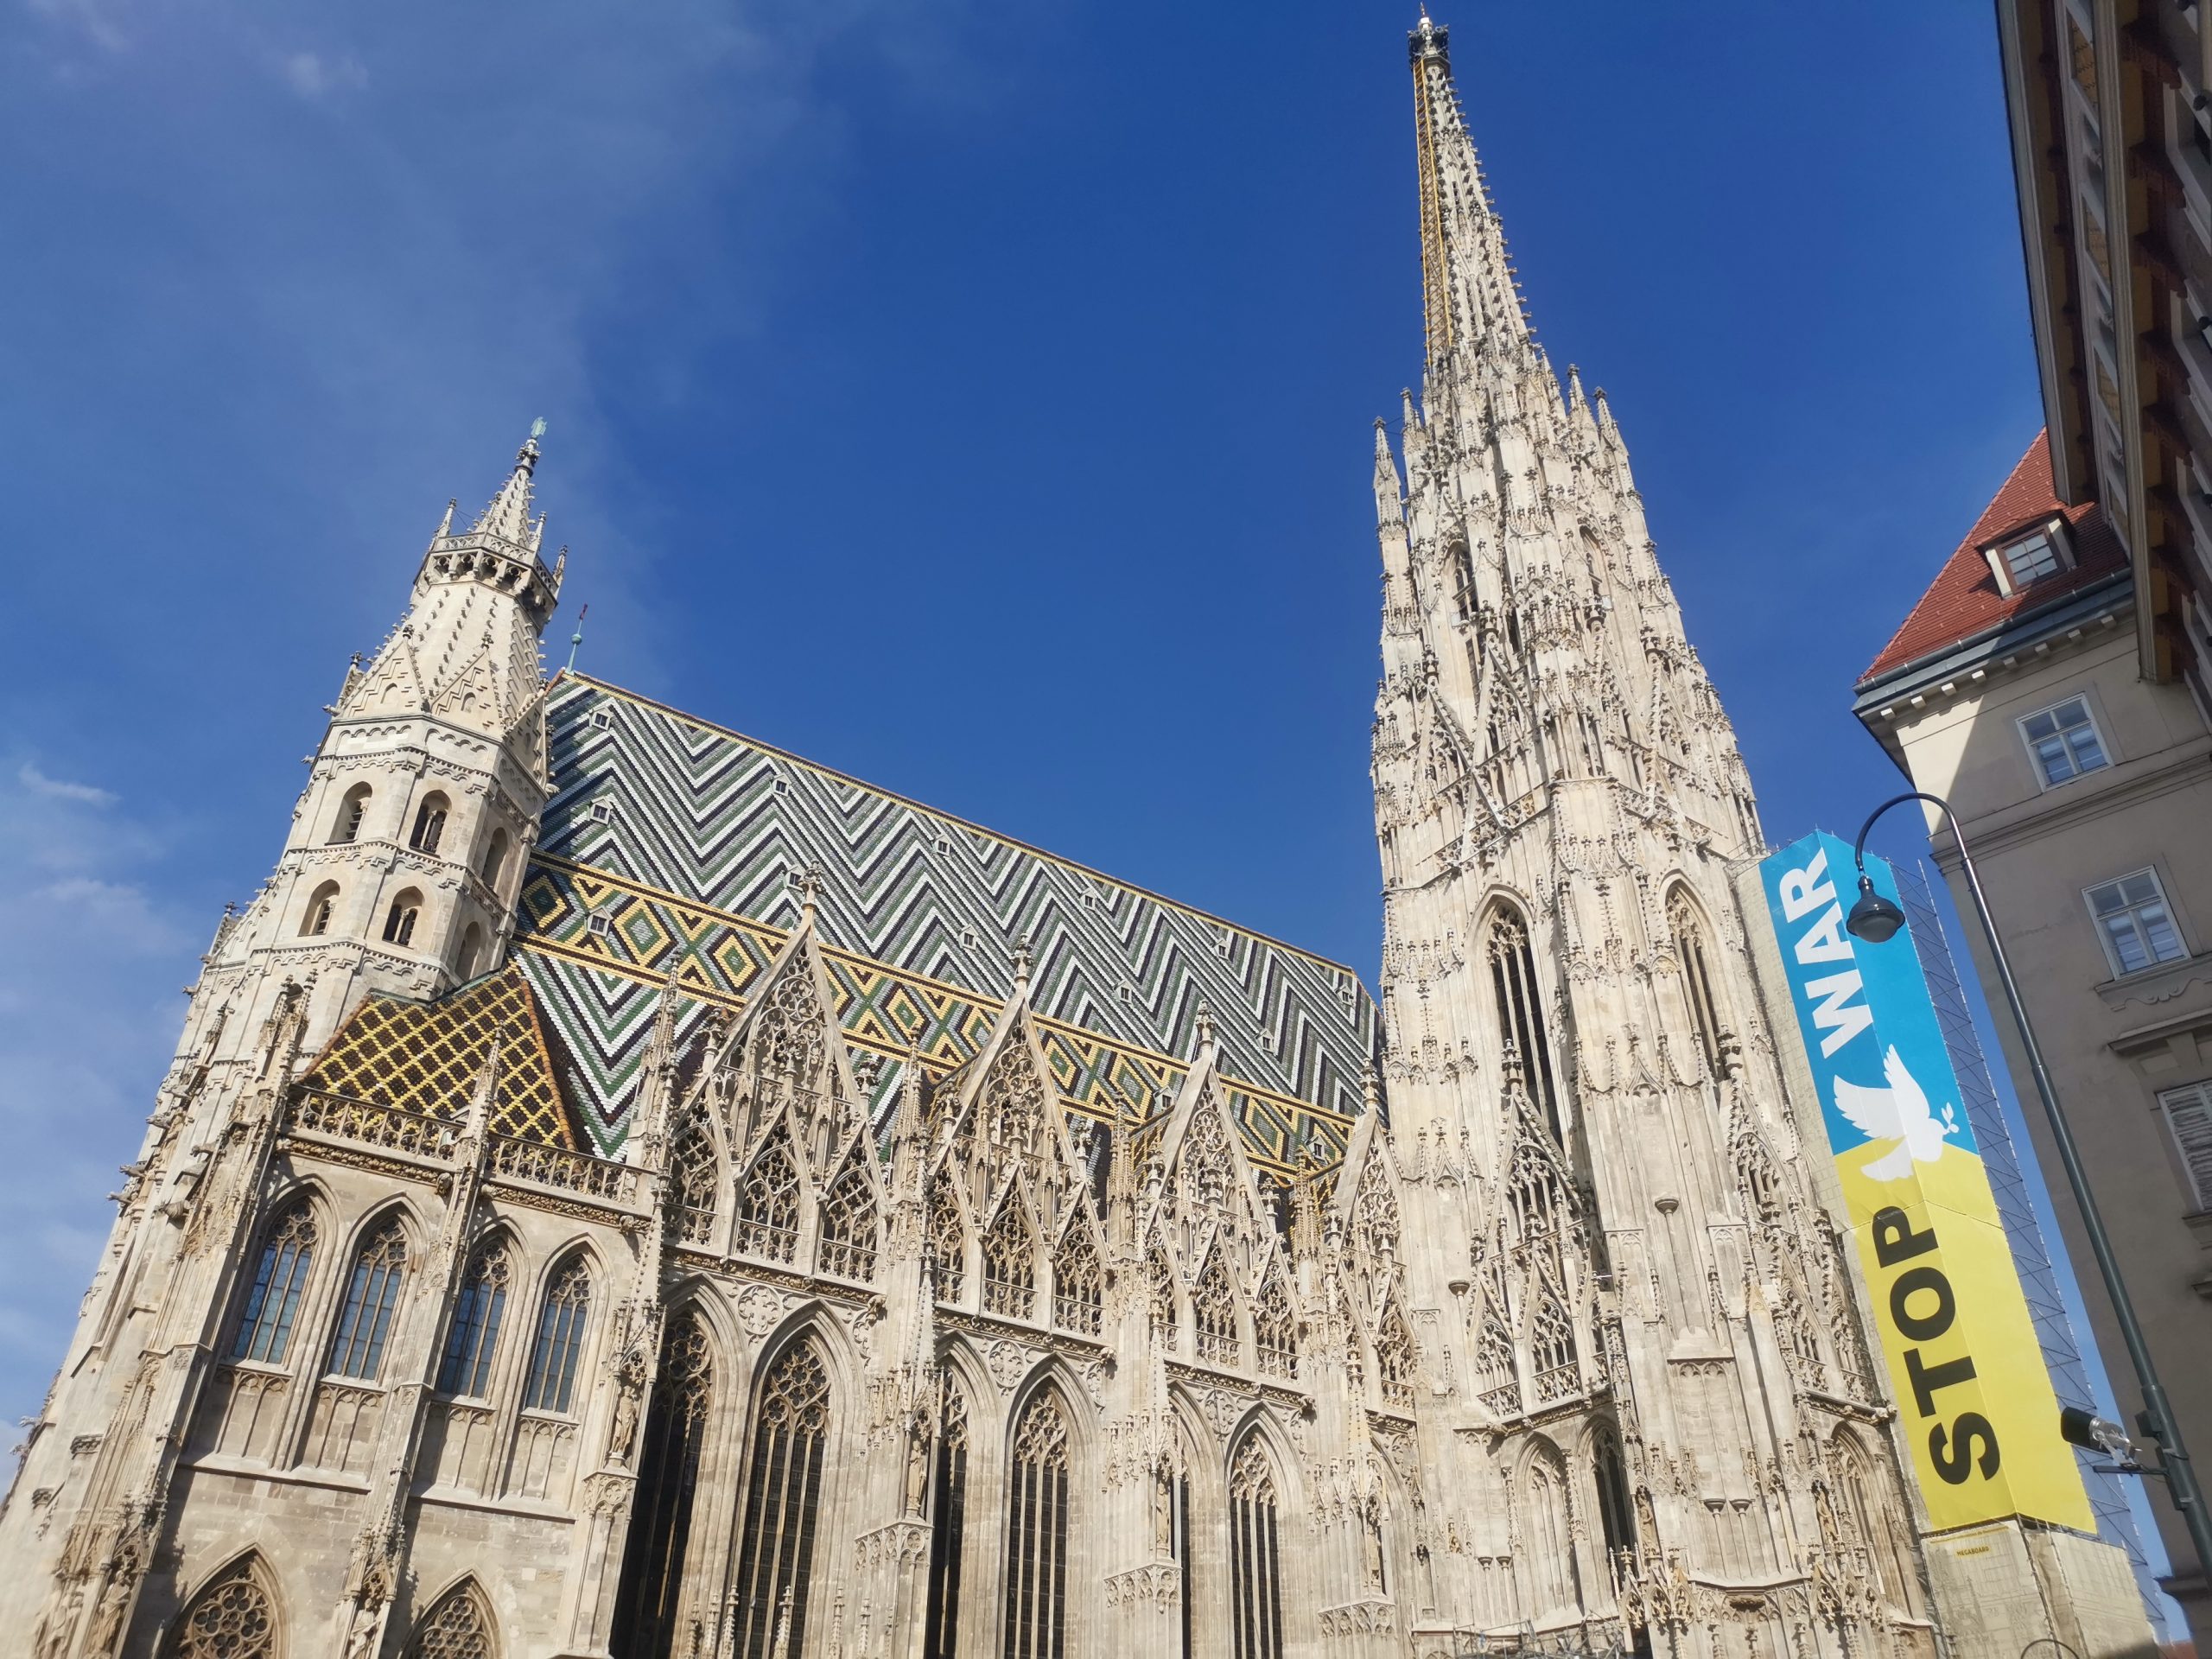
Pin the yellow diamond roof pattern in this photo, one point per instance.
(427, 1056)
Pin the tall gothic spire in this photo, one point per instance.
(1467, 279)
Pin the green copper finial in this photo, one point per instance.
(537, 428)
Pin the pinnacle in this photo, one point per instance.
(508, 515)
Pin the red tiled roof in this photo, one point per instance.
(1963, 601)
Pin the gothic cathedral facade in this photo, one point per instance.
(625, 1190)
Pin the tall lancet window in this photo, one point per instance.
(1037, 1532)
(1255, 1572)
(266, 1329)
(472, 1339)
(1520, 1008)
(1697, 976)
(668, 1486)
(371, 1297)
(948, 1526)
(1547, 1541)
(783, 1491)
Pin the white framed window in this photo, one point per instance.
(599, 926)
(602, 811)
(2064, 742)
(2189, 1119)
(2135, 923)
(600, 719)
(2030, 556)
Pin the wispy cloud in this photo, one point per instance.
(88, 1011)
(56, 789)
(316, 74)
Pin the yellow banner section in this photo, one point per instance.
(1965, 1364)
(1963, 1361)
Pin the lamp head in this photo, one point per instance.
(1873, 918)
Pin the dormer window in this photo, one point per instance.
(2030, 557)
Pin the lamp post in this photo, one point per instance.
(1875, 919)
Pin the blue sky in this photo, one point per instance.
(973, 396)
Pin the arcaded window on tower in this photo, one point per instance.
(1037, 1532)
(1255, 1569)
(429, 824)
(1697, 975)
(399, 921)
(1520, 1008)
(351, 810)
(783, 1489)
(495, 859)
(279, 1280)
(314, 920)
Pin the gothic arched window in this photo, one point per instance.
(1865, 1503)
(399, 921)
(782, 1489)
(1076, 1291)
(1552, 1344)
(1394, 1359)
(1213, 1312)
(351, 812)
(279, 1280)
(457, 1628)
(1616, 1506)
(1256, 1570)
(314, 920)
(948, 1241)
(473, 1337)
(1275, 1327)
(848, 1224)
(1037, 1532)
(1547, 1540)
(472, 949)
(371, 1297)
(1697, 976)
(1520, 1008)
(1010, 1262)
(495, 859)
(668, 1483)
(767, 1201)
(429, 824)
(948, 1525)
(1160, 1298)
(697, 1180)
(1496, 1375)
(559, 1346)
(230, 1617)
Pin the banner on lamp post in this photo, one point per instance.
(1959, 1344)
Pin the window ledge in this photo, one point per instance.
(2160, 984)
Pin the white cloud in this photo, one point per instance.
(55, 789)
(89, 1011)
(311, 74)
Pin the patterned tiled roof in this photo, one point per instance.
(1963, 601)
(670, 846)
(429, 1057)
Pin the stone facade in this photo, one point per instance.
(1543, 1341)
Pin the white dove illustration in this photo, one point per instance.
(1898, 1113)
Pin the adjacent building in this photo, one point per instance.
(2111, 146)
(2017, 690)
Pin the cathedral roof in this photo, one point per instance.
(429, 1057)
(1963, 602)
(669, 847)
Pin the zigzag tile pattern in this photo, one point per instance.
(671, 843)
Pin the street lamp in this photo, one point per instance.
(1875, 919)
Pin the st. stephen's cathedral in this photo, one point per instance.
(624, 1190)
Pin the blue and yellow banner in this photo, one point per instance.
(1964, 1363)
